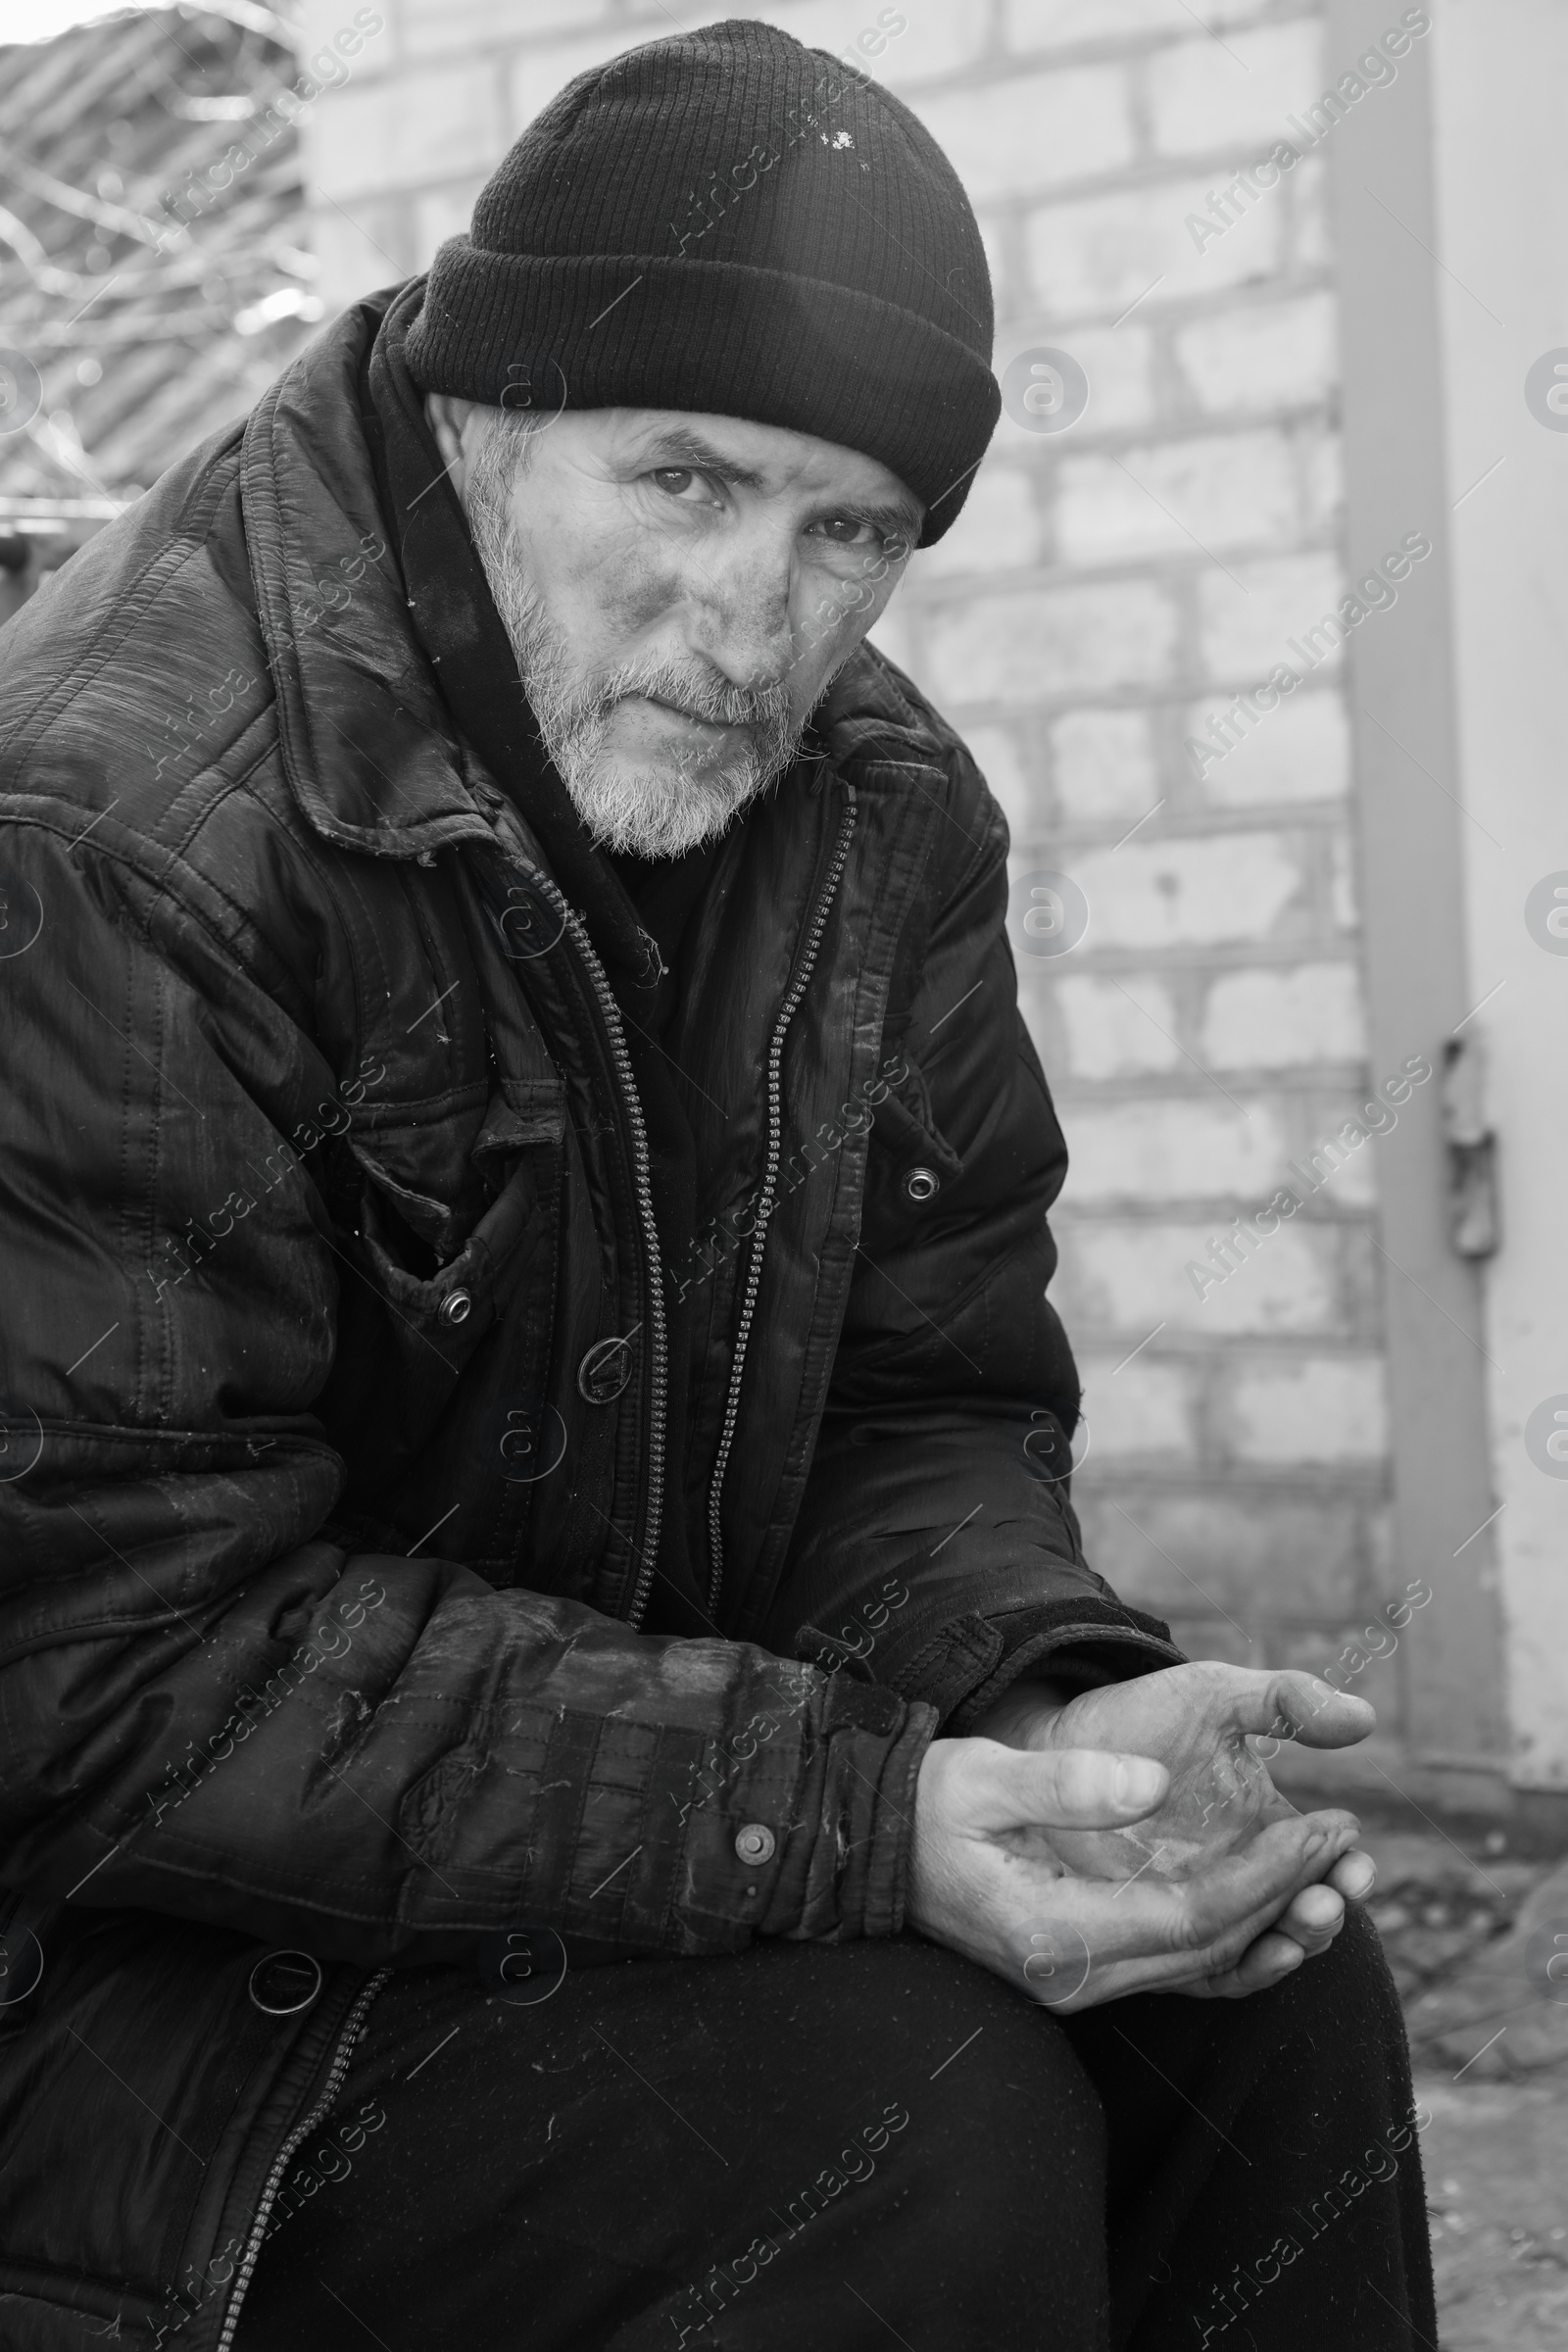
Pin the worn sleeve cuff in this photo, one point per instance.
(845, 1861)
(971, 1660)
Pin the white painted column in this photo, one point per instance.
(1501, 77)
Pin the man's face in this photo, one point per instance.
(679, 590)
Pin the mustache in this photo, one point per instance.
(695, 692)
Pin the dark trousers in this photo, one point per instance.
(859, 2147)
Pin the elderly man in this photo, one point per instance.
(565, 1777)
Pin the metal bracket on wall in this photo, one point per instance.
(1472, 1150)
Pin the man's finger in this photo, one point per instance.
(1300, 1706)
(1268, 1961)
(1062, 1789)
(1353, 1875)
(1314, 1917)
(1229, 1904)
(1304, 1928)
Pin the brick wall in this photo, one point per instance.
(1106, 591)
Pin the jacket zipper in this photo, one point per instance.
(610, 1012)
(765, 1207)
(274, 2178)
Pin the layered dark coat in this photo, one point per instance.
(335, 1365)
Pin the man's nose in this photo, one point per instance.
(742, 602)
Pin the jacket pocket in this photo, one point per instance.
(911, 1160)
(430, 1282)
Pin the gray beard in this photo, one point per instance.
(652, 812)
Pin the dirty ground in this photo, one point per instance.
(1469, 1928)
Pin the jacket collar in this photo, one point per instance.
(367, 745)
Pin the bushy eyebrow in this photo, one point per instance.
(679, 445)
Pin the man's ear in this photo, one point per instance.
(447, 414)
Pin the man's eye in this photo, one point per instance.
(846, 530)
(675, 479)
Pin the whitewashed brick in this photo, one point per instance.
(1299, 751)
(896, 635)
(1038, 641)
(1177, 496)
(1355, 1184)
(1145, 1408)
(1105, 764)
(442, 213)
(1358, 1184)
(1164, 1149)
(1004, 295)
(997, 753)
(1056, 24)
(1347, 1174)
(1382, 1544)
(535, 75)
(1206, 95)
(1323, 468)
(321, 19)
(1273, 1020)
(1323, 1409)
(1200, 1632)
(1130, 1275)
(1344, 898)
(931, 41)
(1094, 255)
(934, 42)
(1188, 892)
(443, 27)
(998, 529)
(1279, 354)
(378, 52)
(1312, 239)
(1112, 1031)
(1116, 362)
(1032, 132)
(1244, 628)
(395, 133)
(359, 249)
(1239, 1548)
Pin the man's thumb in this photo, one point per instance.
(1068, 1788)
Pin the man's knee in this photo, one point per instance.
(996, 2099)
(995, 2081)
(1349, 1992)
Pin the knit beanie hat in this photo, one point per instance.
(730, 223)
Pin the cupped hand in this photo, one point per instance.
(985, 1877)
(1201, 1722)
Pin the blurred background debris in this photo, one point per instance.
(1466, 1923)
(146, 331)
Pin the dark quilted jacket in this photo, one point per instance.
(335, 1369)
